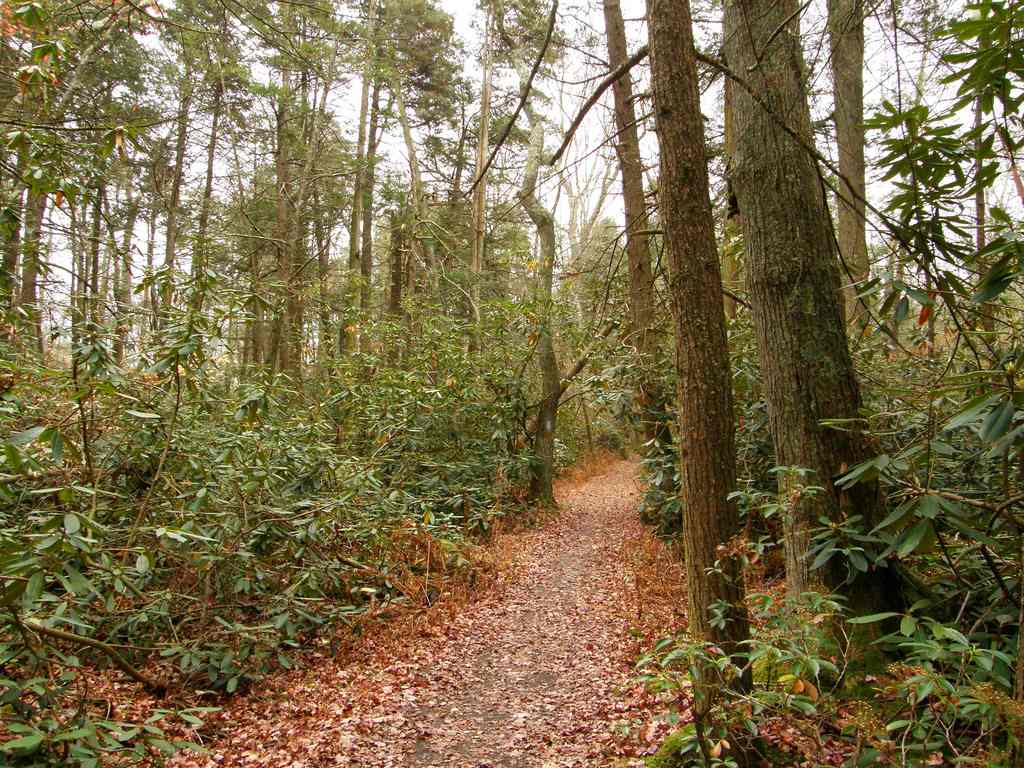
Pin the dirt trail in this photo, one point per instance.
(537, 674)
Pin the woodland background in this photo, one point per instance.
(300, 298)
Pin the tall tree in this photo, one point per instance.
(355, 260)
(31, 261)
(846, 44)
(793, 281)
(542, 481)
(705, 401)
(480, 190)
(182, 123)
(641, 280)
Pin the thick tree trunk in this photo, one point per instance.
(846, 40)
(706, 427)
(793, 279)
(732, 232)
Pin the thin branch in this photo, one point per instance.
(119, 661)
(614, 76)
(522, 98)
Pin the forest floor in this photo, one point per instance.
(533, 670)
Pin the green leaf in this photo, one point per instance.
(894, 517)
(873, 617)
(28, 743)
(865, 471)
(145, 415)
(142, 563)
(164, 746)
(72, 524)
(908, 625)
(997, 422)
(57, 447)
(913, 537)
(971, 412)
(26, 437)
(928, 506)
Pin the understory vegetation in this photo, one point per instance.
(297, 312)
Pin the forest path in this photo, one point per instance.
(537, 673)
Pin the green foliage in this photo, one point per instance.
(213, 530)
(946, 699)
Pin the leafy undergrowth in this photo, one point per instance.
(531, 665)
(198, 536)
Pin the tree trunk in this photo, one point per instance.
(543, 471)
(174, 203)
(638, 252)
(35, 208)
(397, 266)
(417, 252)
(123, 283)
(12, 247)
(151, 300)
(732, 234)
(793, 280)
(988, 308)
(352, 292)
(280, 353)
(476, 257)
(366, 249)
(93, 300)
(322, 242)
(201, 251)
(846, 41)
(706, 428)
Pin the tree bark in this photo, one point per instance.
(706, 427)
(356, 218)
(417, 252)
(35, 208)
(201, 251)
(846, 41)
(174, 203)
(123, 283)
(638, 252)
(476, 257)
(988, 308)
(12, 246)
(732, 232)
(543, 472)
(280, 353)
(366, 249)
(397, 266)
(794, 284)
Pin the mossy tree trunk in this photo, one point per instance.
(706, 426)
(794, 284)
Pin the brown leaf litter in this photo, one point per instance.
(535, 672)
